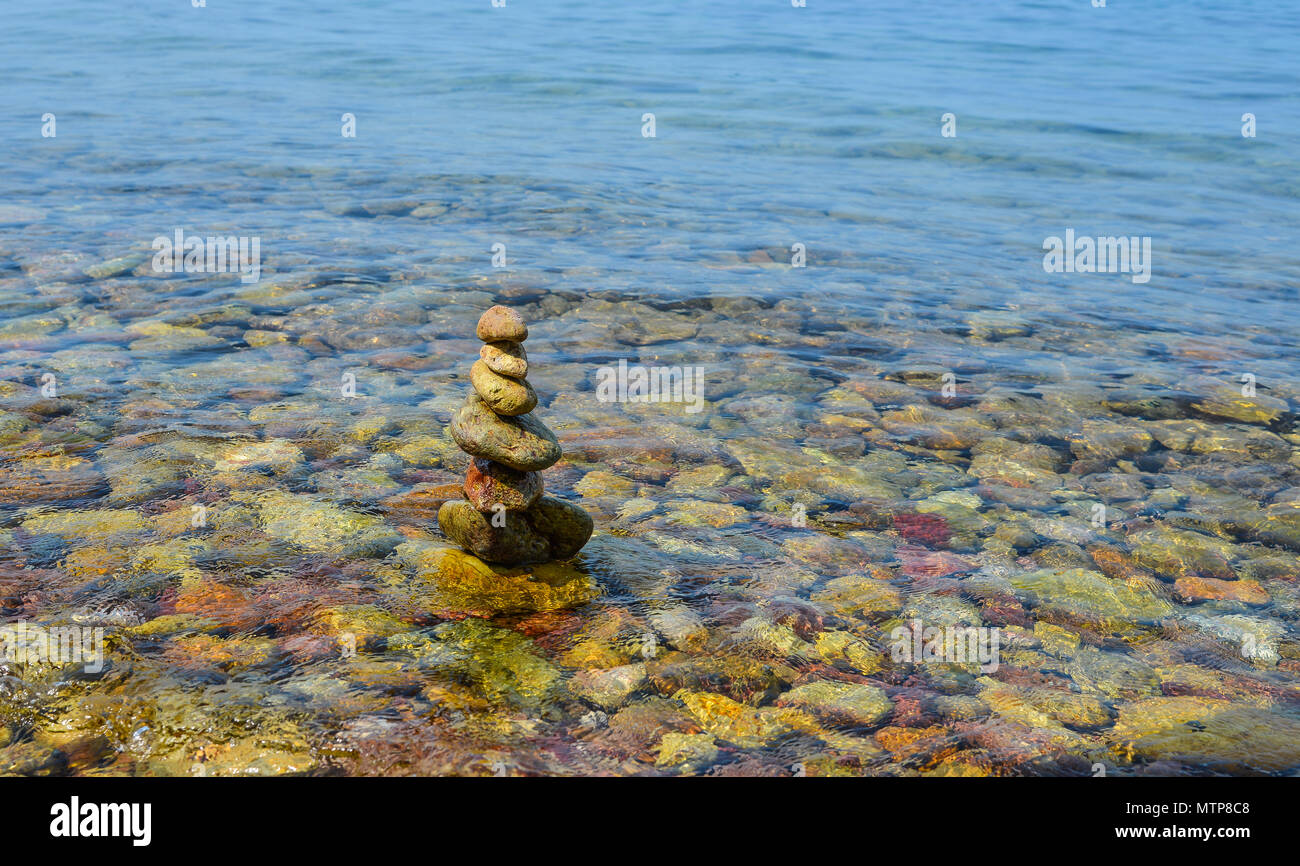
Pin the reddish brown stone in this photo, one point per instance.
(1213, 589)
(918, 562)
(928, 529)
(218, 602)
(1116, 564)
(488, 484)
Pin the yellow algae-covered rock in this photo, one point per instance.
(184, 520)
(503, 665)
(428, 450)
(362, 621)
(743, 725)
(173, 623)
(450, 579)
(92, 563)
(591, 653)
(760, 636)
(1056, 640)
(250, 756)
(857, 594)
(84, 526)
(608, 638)
(1044, 707)
(963, 765)
(688, 751)
(1181, 553)
(1223, 400)
(323, 527)
(598, 482)
(258, 339)
(1110, 673)
(735, 676)
(835, 646)
(841, 703)
(73, 716)
(697, 480)
(698, 512)
(175, 556)
(1208, 731)
(1089, 596)
(51, 478)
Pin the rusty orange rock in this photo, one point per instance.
(489, 484)
(218, 602)
(1116, 564)
(1213, 589)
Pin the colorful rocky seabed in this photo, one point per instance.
(243, 493)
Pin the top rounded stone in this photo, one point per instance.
(502, 323)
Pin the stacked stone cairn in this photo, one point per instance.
(505, 518)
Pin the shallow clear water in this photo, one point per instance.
(1158, 639)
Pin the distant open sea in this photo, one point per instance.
(775, 125)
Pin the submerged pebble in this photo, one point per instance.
(251, 495)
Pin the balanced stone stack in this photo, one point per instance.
(505, 518)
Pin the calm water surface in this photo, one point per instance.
(921, 426)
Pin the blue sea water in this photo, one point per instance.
(774, 125)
